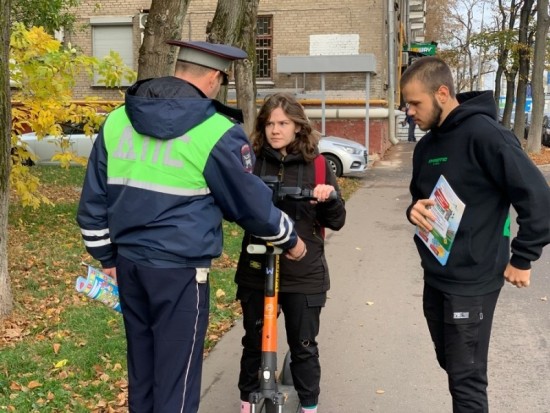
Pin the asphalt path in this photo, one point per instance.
(375, 350)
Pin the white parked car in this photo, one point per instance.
(346, 157)
(44, 149)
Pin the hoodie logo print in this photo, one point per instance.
(437, 161)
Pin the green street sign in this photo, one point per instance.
(427, 49)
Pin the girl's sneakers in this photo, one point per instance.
(245, 407)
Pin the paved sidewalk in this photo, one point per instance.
(375, 350)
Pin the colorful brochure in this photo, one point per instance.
(100, 287)
(448, 210)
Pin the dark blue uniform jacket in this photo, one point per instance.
(166, 230)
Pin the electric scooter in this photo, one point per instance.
(273, 399)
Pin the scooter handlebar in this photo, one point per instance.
(299, 194)
(263, 249)
(307, 194)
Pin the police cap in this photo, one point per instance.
(212, 55)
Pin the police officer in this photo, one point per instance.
(166, 167)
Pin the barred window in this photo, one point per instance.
(264, 47)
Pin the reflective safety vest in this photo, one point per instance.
(170, 166)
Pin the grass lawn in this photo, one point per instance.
(59, 351)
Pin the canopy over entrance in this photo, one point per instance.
(365, 63)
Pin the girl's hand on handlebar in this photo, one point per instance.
(323, 193)
(297, 252)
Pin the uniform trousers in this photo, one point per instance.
(302, 316)
(165, 312)
(460, 328)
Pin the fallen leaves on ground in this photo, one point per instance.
(542, 158)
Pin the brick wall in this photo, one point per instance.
(354, 129)
(312, 17)
(297, 27)
(82, 38)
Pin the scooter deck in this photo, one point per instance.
(292, 403)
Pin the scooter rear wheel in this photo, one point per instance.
(286, 375)
(269, 407)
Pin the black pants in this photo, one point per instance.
(302, 316)
(412, 127)
(460, 328)
(165, 314)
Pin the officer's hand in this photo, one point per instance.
(517, 277)
(421, 216)
(111, 272)
(297, 252)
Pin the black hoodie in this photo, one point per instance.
(487, 168)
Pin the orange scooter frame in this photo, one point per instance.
(269, 392)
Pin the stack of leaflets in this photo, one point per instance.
(100, 287)
(448, 210)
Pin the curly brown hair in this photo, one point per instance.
(307, 138)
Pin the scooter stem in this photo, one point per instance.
(268, 380)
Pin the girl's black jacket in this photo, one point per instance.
(309, 275)
(489, 171)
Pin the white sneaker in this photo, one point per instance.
(309, 410)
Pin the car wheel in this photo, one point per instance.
(15, 158)
(335, 164)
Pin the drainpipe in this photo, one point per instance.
(391, 72)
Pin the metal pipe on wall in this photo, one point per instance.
(367, 113)
(391, 72)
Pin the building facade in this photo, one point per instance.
(284, 28)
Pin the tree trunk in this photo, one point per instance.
(502, 50)
(227, 23)
(245, 80)
(508, 18)
(462, 13)
(525, 43)
(510, 96)
(537, 81)
(437, 20)
(5, 161)
(165, 22)
(235, 23)
(498, 79)
(225, 28)
(245, 71)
